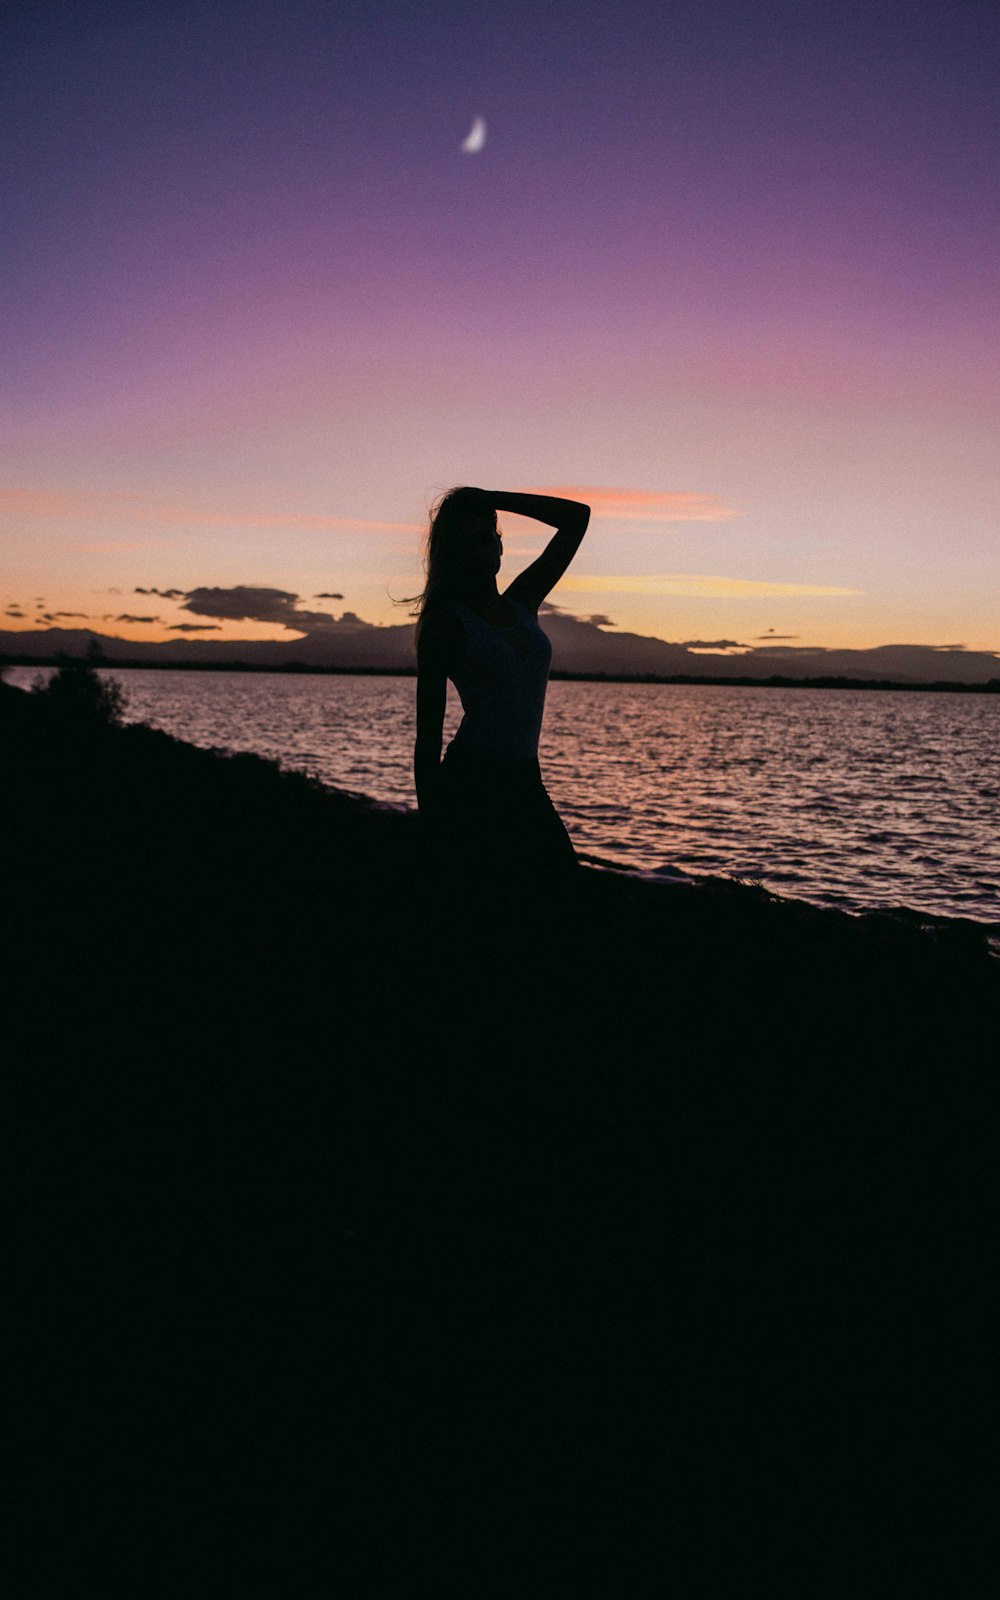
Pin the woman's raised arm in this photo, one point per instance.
(550, 508)
(568, 517)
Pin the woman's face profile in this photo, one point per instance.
(483, 544)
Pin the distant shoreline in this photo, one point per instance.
(775, 681)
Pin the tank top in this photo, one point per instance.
(501, 684)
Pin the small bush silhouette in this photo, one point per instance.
(76, 688)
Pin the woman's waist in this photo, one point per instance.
(475, 786)
(516, 756)
(510, 734)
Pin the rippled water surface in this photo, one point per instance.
(839, 797)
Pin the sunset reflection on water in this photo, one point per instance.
(858, 799)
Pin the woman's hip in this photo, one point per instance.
(498, 810)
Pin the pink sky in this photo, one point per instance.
(737, 285)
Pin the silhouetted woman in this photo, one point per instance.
(487, 817)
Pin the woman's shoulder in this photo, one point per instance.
(440, 617)
(441, 633)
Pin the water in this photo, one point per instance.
(845, 798)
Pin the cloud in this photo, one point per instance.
(647, 505)
(126, 616)
(246, 603)
(81, 614)
(15, 611)
(599, 620)
(195, 627)
(350, 620)
(770, 635)
(696, 585)
(712, 644)
(924, 651)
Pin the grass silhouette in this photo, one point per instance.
(642, 1238)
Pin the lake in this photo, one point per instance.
(863, 800)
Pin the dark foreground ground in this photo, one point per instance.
(642, 1243)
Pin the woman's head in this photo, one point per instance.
(463, 533)
(463, 546)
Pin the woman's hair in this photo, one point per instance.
(449, 519)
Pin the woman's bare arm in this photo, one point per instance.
(548, 508)
(568, 517)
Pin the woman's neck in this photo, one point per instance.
(484, 593)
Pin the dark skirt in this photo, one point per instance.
(494, 826)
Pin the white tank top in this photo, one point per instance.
(501, 684)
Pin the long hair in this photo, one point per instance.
(449, 519)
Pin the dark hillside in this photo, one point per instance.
(646, 1235)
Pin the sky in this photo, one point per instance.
(728, 272)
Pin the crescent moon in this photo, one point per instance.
(475, 138)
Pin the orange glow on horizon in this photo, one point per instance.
(43, 502)
(698, 585)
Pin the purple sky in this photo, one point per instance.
(255, 297)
